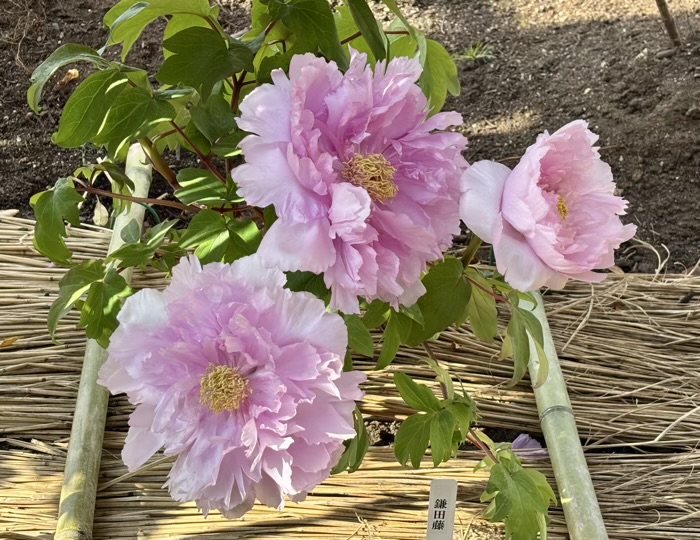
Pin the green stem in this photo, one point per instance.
(583, 518)
(77, 502)
(472, 248)
(159, 163)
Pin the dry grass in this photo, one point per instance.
(629, 352)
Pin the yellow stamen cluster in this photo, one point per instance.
(563, 209)
(223, 388)
(373, 173)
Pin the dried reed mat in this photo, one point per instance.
(630, 354)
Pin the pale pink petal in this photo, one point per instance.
(298, 246)
(480, 205)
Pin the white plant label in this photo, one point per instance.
(441, 510)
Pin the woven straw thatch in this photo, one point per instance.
(630, 354)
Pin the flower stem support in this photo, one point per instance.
(77, 503)
(577, 495)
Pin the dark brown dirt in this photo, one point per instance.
(551, 62)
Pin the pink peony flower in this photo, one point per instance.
(365, 191)
(238, 377)
(554, 216)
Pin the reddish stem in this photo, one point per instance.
(205, 160)
(498, 297)
(155, 202)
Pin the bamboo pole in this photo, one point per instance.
(577, 495)
(77, 503)
(669, 23)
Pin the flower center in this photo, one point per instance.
(223, 388)
(373, 173)
(562, 208)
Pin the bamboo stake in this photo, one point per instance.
(669, 23)
(77, 503)
(577, 495)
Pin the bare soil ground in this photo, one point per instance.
(549, 62)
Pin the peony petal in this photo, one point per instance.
(298, 246)
(516, 260)
(480, 205)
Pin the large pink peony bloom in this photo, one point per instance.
(238, 377)
(365, 191)
(554, 216)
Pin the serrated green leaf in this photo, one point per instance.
(481, 310)
(416, 396)
(208, 234)
(201, 58)
(64, 55)
(51, 208)
(367, 24)
(442, 428)
(200, 185)
(359, 338)
(215, 119)
(376, 314)
(309, 282)
(520, 498)
(133, 112)
(439, 74)
(465, 415)
(104, 300)
(86, 108)
(446, 298)
(128, 18)
(413, 438)
(355, 448)
(312, 23)
(244, 239)
(72, 286)
(391, 343)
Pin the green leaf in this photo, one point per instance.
(200, 185)
(215, 119)
(72, 286)
(201, 58)
(244, 239)
(439, 75)
(412, 439)
(85, 110)
(131, 233)
(309, 282)
(359, 338)
(64, 55)
(376, 314)
(313, 26)
(51, 208)
(208, 234)
(132, 255)
(391, 343)
(523, 323)
(520, 498)
(482, 312)
(446, 298)
(464, 412)
(414, 313)
(127, 19)
(416, 396)
(355, 448)
(227, 146)
(133, 112)
(104, 300)
(442, 429)
(371, 31)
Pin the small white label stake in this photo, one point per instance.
(441, 509)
